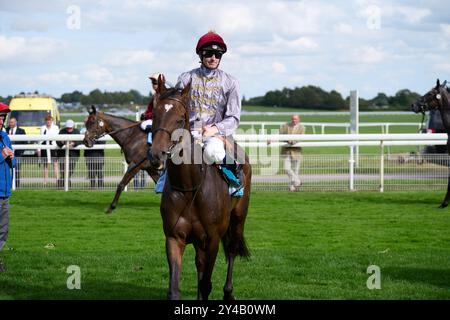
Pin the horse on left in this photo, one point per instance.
(131, 139)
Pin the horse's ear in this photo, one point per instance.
(444, 83)
(161, 84)
(185, 92)
(438, 83)
(92, 110)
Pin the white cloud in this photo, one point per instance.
(279, 46)
(370, 55)
(20, 49)
(412, 14)
(278, 67)
(30, 25)
(445, 28)
(443, 67)
(343, 28)
(128, 58)
(58, 77)
(98, 74)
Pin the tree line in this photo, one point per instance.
(312, 97)
(307, 97)
(122, 98)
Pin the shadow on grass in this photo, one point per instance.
(92, 290)
(435, 277)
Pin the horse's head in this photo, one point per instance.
(169, 114)
(95, 127)
(431, 100)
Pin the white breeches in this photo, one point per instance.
(146, 123)
(214, 150)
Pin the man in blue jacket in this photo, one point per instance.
(7, 163)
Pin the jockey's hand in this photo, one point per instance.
(209, 130)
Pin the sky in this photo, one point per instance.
(370, 46)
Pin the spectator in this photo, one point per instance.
(49, 156)
(95, 161)
(7, 163)
(74, 154)
(13, 129)
(292, 155)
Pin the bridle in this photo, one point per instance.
(182, 126)
(169, 150)
(99, 124)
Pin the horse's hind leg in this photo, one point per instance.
(234, 245)
(125, 180)
(444, 203)
(233, 240)
(174, 250)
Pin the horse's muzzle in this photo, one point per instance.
(158, 159)
(417, 107)
(88, 143)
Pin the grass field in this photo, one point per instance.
(304, 246)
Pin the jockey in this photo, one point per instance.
(147, 116)
(215, 103)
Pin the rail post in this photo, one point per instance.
(66, 168)
(351, 162)
(381, 166)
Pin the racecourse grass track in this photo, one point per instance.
(303, 245)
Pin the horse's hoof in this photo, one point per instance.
(228, 297)
(109, 211)
(443, 205)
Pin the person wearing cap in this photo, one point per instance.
(147, 116)
(47, 156)
(215, 102)
(7, 163)
(74, 154)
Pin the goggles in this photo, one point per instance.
(210, 53)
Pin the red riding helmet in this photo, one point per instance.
(4, 108)
(211, 38)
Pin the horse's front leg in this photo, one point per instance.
(123, 183)
(205, 284)
(174, 250)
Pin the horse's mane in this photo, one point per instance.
(170, 92)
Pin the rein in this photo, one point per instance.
(117, 130)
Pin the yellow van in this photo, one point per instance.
(31, 109)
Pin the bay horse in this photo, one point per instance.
(196, 206)
(131, 139)
(437, 98)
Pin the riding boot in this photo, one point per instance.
(149, 142)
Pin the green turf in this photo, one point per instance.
(303, 245)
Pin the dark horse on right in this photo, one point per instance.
(438, 98)
(196, 206)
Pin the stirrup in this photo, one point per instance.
(236, 192)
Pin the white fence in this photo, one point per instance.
(319, 127)
(320, 172)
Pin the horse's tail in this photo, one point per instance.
(234, 243)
